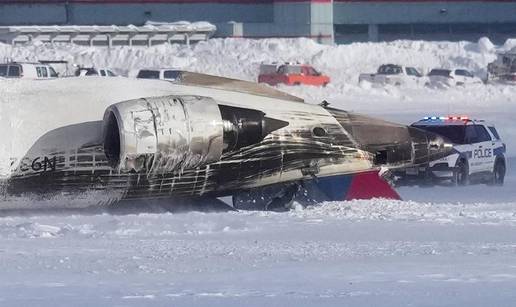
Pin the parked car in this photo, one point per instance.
(171, 74)
(503, 69)
(394, 75)
(479, 154)
(90, 71)
(293, 74)
(451, 77)
(27, 70)
(271, 68)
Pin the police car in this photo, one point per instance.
(479, 153)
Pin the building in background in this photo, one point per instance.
(382, 20)
(326, 21)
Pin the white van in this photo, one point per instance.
(27, 71)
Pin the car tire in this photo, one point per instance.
(297, 83)
(498, 173)
(461, 174)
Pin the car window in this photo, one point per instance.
(462, 72)
(411, 71)
(148, 74)
(494, 132)
(102, 72)
(3, 70)
(14, 71)
(455, 133)
(295, 70)
(91, 72)
(482, 133)
(389, 70)
(440, 72)
(312, 72)
(471, 135)
(38, 72)
(266, 69)
(53, 73)
(110, 73)
(171, 74)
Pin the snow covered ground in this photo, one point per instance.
(441, 246)
(457, 252)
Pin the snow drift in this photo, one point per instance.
(240, 58)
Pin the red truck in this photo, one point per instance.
(291, 74)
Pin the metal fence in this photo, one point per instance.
(146, 35)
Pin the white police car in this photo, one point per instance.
(479, 153)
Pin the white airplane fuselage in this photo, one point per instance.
(90, 141)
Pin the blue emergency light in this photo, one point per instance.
(446, 118)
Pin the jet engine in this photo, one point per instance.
(172, 133)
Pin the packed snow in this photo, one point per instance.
(441, 246)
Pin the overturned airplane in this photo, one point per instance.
(86, 142)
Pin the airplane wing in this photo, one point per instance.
(216, 82)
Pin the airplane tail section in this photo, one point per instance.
(370, 185)
(279, 197)
(364, 185)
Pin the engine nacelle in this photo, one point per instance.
(163, 133)
(172, 133)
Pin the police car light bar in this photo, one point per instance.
(464, 118)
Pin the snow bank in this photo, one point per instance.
(410, 211)
(240, 58)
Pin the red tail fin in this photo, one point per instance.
(370, 185)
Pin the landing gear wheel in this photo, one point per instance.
(461, 174)
(498, 173)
